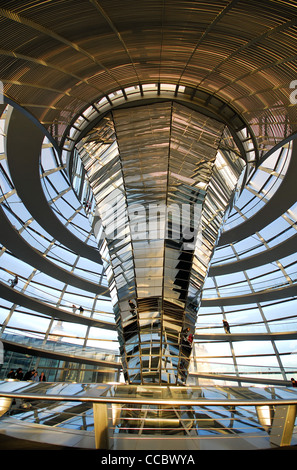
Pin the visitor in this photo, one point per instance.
(19, 374)
(226, 326)
(29, 374)
(35, 377)
(190, 339)
(294, 382)
(13, 282)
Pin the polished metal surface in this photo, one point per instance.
(163, 178)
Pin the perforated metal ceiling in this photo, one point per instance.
(57, 57)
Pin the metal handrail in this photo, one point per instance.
(92, 398)
(139, 401)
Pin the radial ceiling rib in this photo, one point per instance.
(34, 85)
(194, 42)
(46, 31)
(46, 63)
(117, 33)
(23, 161)
(251, 43)
(209, 28)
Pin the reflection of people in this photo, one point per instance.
(184, 335)
(87, 204)
(190, 339)
(293, 381)
(132, 307)
(226, 326)
(187, 340)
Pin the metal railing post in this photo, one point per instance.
(101, 425)
(283, 425)
(5, 404)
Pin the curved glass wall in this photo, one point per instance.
(72, 339)
(263, 263)
(163, 177)
(263, 329)
(261, 186)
